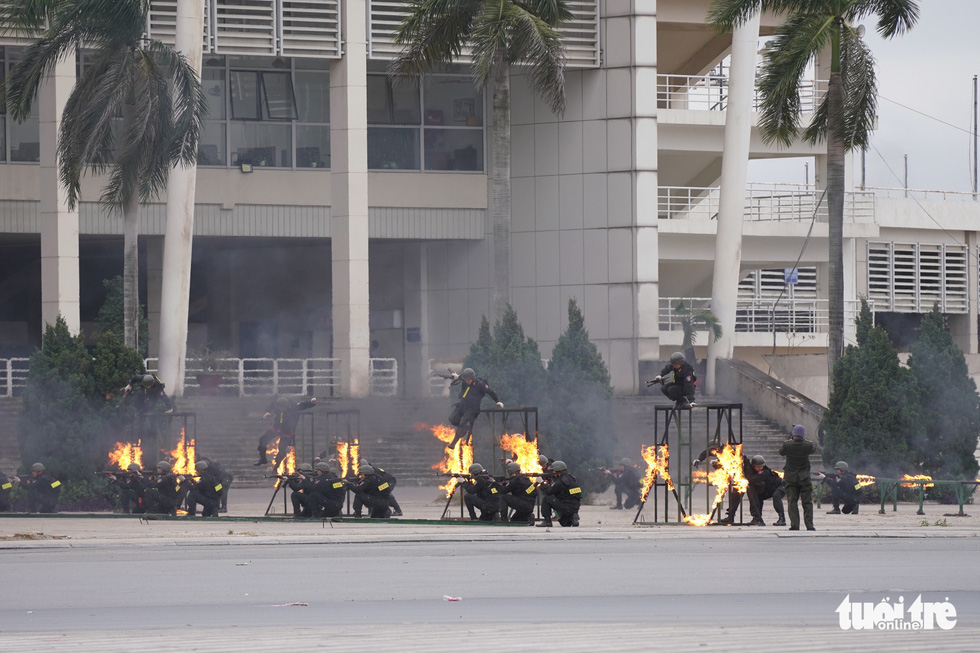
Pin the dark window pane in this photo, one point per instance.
(313, 96)
(393, 148)
(453, 149)
(312, 146)
(452, 101)
(211, 151)
(392, 104)
(213, 81)
(245, 95)
(278, 91)
(261, 144)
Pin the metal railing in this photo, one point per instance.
(14, 375)
(710, 93)
(924, 194)
(763, 314)
(763, 203)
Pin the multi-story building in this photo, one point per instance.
(615, 202)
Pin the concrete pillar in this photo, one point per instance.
(59, 226)
(349, 208)
(731, 202)
(179, 231)
(154, 279)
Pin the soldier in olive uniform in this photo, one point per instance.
(797, 451)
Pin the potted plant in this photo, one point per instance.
(212, 366)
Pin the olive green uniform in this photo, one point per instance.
(798, 483)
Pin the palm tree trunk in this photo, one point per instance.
(131, 271)
(835, 211)
(500, 186)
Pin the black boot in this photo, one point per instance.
(835, 511)
(546, 523)
(781, 522)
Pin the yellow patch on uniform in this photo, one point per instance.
(575, 490)
(383, 486)
(55, 484)
(857, 487)
(6, 486)
(217, 488)
(493, 490)
(466, 392)
(529, 490)
(338, 484)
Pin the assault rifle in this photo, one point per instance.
(124, 473)
(445, 376)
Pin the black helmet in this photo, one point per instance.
(559, 466)
(304, 467)
(37, 467)
(476, 468)
(133, 467)
(282, 403)
(366, 470)
(677, 358)
(513, 468)
(467, 374)
(758, 461)
(201, 465)
(148, 380)
(322, 467)
(164, 466)
(841, 465)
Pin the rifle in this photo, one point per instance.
(124, 473)
(653, 382)
(445, 376)
(287, 477)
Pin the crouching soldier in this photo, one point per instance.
(43, 490)
(161, 498)
(373, 492)
(301, 483)
(6, 485)
(844, 489)
(206, 491)
(678, 381)
(326, 499)
(626, 480)
(386, 477)
(519, 494)
(482, 492)
(764, 484)
(132, 488)
(562, 495)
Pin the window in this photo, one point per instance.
(262, 95)
(24, 138)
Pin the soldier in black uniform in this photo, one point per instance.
(161, 496)
(799, 487)
(284, 416)
(326, 499)
(626, 482)
(678, 381)
(206, 491)
(764, 484)
(519, 493)
(301, 483)
(482, 492)
(467, 407)
(226, 480)
(6, 485)
(373, 492)
(146, 394)
(43, 490)
(562, 495)
(132, 488)
(844, 489)
(388, 477)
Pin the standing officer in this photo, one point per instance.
(481, 492)
(844, 488)
(519, 493)
(161, 498)
(373, 492)
(678, 381)
(467, 407)
(42, 490)
(797, 452)
(206, 491)
(764, 484)
(284, 416)
(562, 495)
(627, 482)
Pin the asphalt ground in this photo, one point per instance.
(243, 583)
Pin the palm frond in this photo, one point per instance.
(489, 36)
(895, 17)
(860, 92)
(433, 33)
(537, 44)
(726, 15)
(26, 17)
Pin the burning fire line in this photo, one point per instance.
(727, 474)
(457, 460)
(918, 477)
(865, 480)
(126, 454)
(184, 456)
(525, 453)
(349, 457)
(658, 462)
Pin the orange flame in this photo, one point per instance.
(658, 462)
(349, 457)
(698, 520)
(728, 473)
(288, 464)
(918, 477)
(525, 453)
(184, 456)
(699, 476)
(456, 460)
(864, 479)
(126, 454)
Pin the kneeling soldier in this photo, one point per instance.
(562, 495)
(481, 492)
(518, 493)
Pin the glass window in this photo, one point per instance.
(392, 104)
(211, 148)
(262, 145)
(213, 81)
(25, 137)
(277, 88)
(452, 101)
(393, 148)
(453, 149)
(245, 95)
(312, 146)
(313, 96)
(3, 138)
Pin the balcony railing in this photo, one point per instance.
(247, 376)
(763, 203)
(710, 93)
(763, 315)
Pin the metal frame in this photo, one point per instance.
(188, 418)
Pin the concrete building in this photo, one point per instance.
(614, 204)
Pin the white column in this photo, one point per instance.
(179, 232)
(731, 202)
(349, 207)
(154, 278)
(59, 226)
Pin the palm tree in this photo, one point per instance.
(846, 114)
(694, 320)
(135, 111)
(497, 34)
